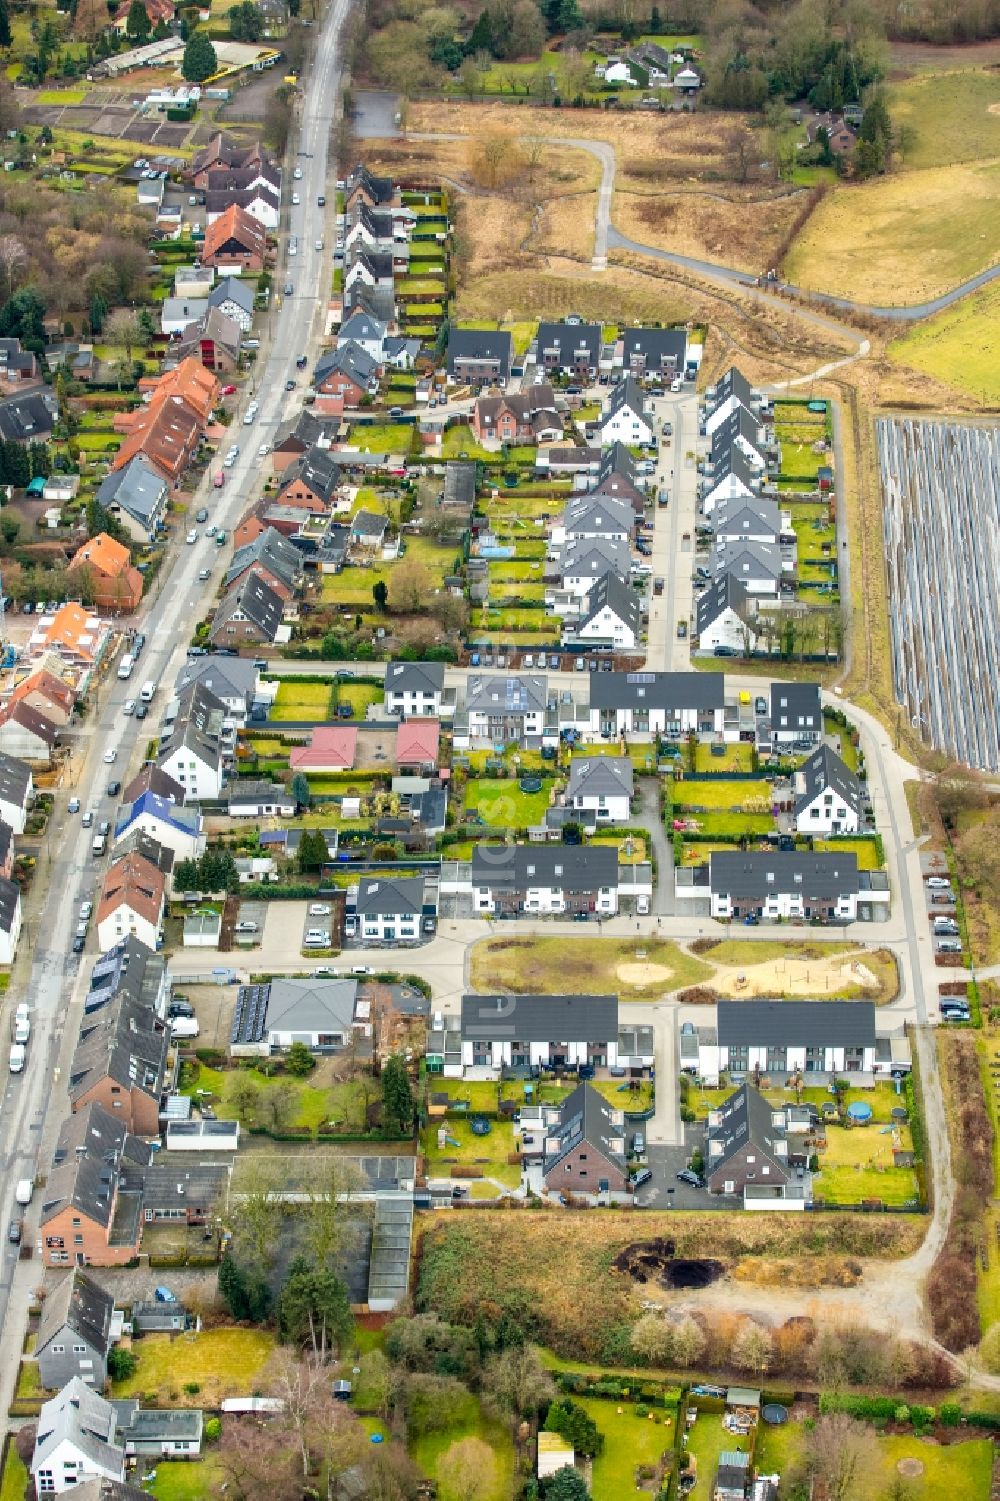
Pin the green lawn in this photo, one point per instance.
(737, 758)
(813, 534)
(502, 805)
(15, 1477)
(458, 443)
(748, 797)
(488, 1153)
(629, 1441)
(960, 345)
(185, 1480)
(384, 437)
(947, 117)
(224, 1362)
(296, 700)
(522, 333)
(638, 969)
(961, 1470)
(359, 695)
(863, 848)
(484, 1095)
(342, 1101)
(431, 1449)
(857, 1164)
(706, 1441)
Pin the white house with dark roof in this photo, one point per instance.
(740, 429)
(625, 418)
(582, 562)
(595, 518)
(17, 788)
(777, 884)
(743, 520)
(503, 709)
(544, 880)
(234, 681)
(834, 1039)
(724, 615)
(732, 477)
(414, 689)
(610, 617)
(235, 298)
(136, 496)
(642, 705)
(176, 827)
(76, 1441)
(829, 798)
(796, 715)
(10, 919)
(389, 908)
(535, 1032)
(602, 786)
(759, 566)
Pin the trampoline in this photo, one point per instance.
(775, 1414)
(860, 1113)
(481, 1126)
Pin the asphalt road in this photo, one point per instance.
(34, 1102)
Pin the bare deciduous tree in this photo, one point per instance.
(840, 1450)
(12, 257)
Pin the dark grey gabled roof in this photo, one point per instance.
(83, 1418)
(733, 383)
(591, 557)
(15, 779)
(226, 677)
(586, 1116)
(565, 867)
(609, 591)
(391, 896)
(738, 873)
(10, 901)
(80, 1304)
(137, 488)
(655, 343)
(600, 776)
(568, 338)
(414, 677)
(741, 1120)
(481, 344)
(256, 601)
(318, 469)
(518, 693)
(732, 463)
(657, 690)
(823, 769)
(617, 460)
(596, 513)
(28, 418)
(232, 289)
(796, 706)
(540, 1018)
(796, 1024)
(743, 515)
(747, 560)
(627, 394)
(273, 551)
(740, 423)
(348, 359)
(723, 593)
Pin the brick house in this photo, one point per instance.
(215, 340)
(219, 152)
(480, 357)
(235, 242)
(585, 1151)
(121, 1063)
(347, 372)
(527, 416)
(89, 1214)
(116, 586)
(311, 481)
(250, 611)
(746, 1144)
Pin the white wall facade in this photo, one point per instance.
(827, 814)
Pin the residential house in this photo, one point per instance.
(195, 743)
(166, 433)
(796, 715)
(643, 705)
(220, 151)
(120, 1062)
(18, 367)
(74, 1332)
(136, 496)
(733, 1472)
(132, 969)
(368, 529)
(166, 1433)
(347, 373)
(389, 909)
(740, 429)
(829, 798)
(617, 71)
(150, 778)
(177, 312)
(841, 138)
(596, 517)
(417, 746)
(6, 851)
(233, 681)
(76, 1441)
(249, 799)
(169, 824)
(611, 617)
(747, 520)
(544, 880)
(270, 556)
(250, 611)
(369, 268)
(526, 416)
(528, 1033)
(480, 357)
(364, 187)
(780, 1040)
(602, 788)
(414, 689)
(99, 1488)
(730, 392)
(308, 430)
(113, 583)
(733, 477)
(311, 481)
(215, 339)
(90, 1205)
(28, 418)
(331, 747)
(244, 185)
(27, 734)
(131, 902)
(784, 884)
(72, 634)
(585, 1151)
(624, 418)
(371, 230)
(617, 478)
(581, 562)
(506, 710)
(234, 298)
(10, 915)
(578, 463)
(724, 613)
(366, 332)
(654, 353)
(268, 1018)
(17, 789)
(758, 566)
(235, 242)
(49, 694)
(571, 348)
(746, 1143)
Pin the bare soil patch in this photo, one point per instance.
(655, 1261)
(910, 1468)
(795, 977)
(738, 227)
(641, 975)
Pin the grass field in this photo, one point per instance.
(629, 1441)
(381, 437)
(360, 696)
(863, 848)
(947, 117)
(15, 1477)
(751, 797)
(502, 805)
(857, 1164)
(484, 1095)
(180, 1480)
(962, 1469)
(488, 1153)
(959, 346)
(224, 1362)
(934, 229)
(706, 1441)
(301, 701)
(737, 758)
(317, 1099)
(644, 969)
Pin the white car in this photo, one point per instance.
(293, 247)
(192, 537)
(110, 756)
(319, 909)
(86, 908)
(263, 450)
(128, 707)
(297, 174)
(296, 200)
(230, 459)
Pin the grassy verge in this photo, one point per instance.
(642, 969)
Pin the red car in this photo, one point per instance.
(229, 390)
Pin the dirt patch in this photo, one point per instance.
(654, 1261)
(641, 975)
(795, 977)
(822, 1271)
(910, 1468)
(732, 226)
(993, 109)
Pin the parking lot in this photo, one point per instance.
(941, 522)
(665, 1192)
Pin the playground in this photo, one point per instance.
(834, 976)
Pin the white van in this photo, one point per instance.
(18, 1054)
(125, 666)
(22, 1028)
(184, 1026)
(147, 691)
(317, 936)
(245, 927)
(24, 1190)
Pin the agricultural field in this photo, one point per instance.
(959, 346)
(922, 251)
(948, 117)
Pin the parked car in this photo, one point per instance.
(644, 1175)
(689, 1176)
(319, 909)
(73, 806)
(938, 883)
(682, 629)
(949, 946)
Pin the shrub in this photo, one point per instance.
(212, 1430)
(192, 1388)
(121, 1363)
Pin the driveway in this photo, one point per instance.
(651, 819)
